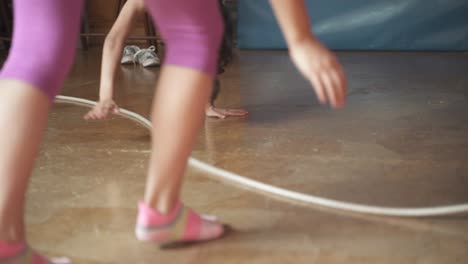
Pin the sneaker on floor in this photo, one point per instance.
(129, 52)
(147, 57)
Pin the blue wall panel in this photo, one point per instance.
(364, 24)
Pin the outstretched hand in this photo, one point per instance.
(222, 113)
(320, 66)
(102, 110)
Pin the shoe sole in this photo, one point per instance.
(151, 64)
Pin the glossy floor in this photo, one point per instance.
(401, 141)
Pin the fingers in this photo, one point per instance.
(211, 112)
(233, 112)
(92, 115)
(340, 77)
(319, 88)
(101, 112)
(329, 89)
(239, 111)
(88, 116)
(330, 85)
(245, 113)
(224, 113)
(216, 115)
(339, 84)
(339, 80)
(322, 69)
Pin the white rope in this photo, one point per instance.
(284, 193)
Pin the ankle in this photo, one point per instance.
(163, 204)
(180, 225)
(149, 216)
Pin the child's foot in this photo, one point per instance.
(179, 226)
(212, 111)
(23, 254)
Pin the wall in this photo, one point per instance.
(101, 16)
(365, 24)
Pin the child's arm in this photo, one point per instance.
(313, 60)
(114, 43)
(111, 54)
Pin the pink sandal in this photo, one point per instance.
(179, 226)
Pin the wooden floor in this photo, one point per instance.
(401, 141)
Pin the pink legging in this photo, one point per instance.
(45, 36)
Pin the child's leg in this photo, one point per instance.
(178, 112)
(23, 115)
(178, 109)
(192, 31)
(44, 41)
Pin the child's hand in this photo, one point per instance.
(102, 110)
(322, 69)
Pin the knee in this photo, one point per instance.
(44, 44)
(45, 66)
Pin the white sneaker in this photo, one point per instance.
(129, 52)
(147, 57)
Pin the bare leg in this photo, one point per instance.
(23, 117)
(178, 108)
(192, 32)
(45, 33)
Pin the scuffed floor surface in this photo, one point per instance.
(401, 141)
